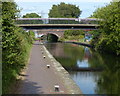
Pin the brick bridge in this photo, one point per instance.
(58, 32)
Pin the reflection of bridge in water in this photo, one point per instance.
(84, 74)
(56, 25)
(89, 69)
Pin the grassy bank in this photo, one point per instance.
(15, 59)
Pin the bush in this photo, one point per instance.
(16, 46)
(74, 34)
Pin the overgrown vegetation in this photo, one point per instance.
(74, 34)
(16, 46)
(109, 38)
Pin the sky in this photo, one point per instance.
(42, 7)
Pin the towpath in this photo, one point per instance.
(38, 79)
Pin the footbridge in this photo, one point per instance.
(57, 25)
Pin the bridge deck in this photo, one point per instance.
(57, 25)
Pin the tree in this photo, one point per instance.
(31, 15)
(109, 39)
(15, 46)
(63, 10)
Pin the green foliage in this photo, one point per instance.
(74, 34)
(31, 15)
(61, 39)
(63, 10)
(109, 40)
(16, 45)
(95, 37)
(109, 80)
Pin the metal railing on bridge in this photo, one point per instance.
(57, 21)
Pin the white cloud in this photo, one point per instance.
(63, 1)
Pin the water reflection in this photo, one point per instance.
(73, 57)
(109, 80)
(87, 52)
(86, 80)
(83, 63)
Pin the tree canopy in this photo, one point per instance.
(31, 15)
(63, 10)
(109, 38)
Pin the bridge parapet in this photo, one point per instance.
(59, 26)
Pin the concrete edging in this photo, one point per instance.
(68, 81)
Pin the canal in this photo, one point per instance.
(93, 72)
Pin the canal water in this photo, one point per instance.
(93, 72)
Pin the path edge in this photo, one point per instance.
(68, 81)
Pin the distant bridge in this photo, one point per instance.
(59, 26)
(75, 19)
(45, 25)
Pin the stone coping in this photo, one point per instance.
(68, 81)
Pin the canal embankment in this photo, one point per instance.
(64, 75)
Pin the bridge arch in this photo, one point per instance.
(46, 33)
(51, 37)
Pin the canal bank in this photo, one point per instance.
(64, 75)
(39, 79)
